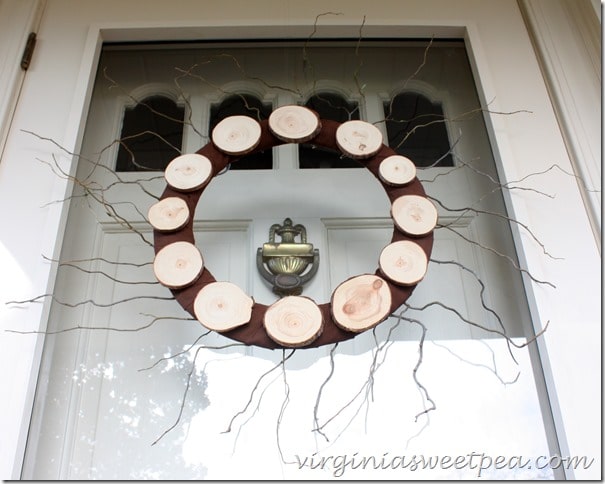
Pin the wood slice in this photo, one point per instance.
(188, 172)
(293, 321)
(236, 135)
(178, 265)
(169, 214)
(221, 306)
(358, 139)
(403, 262)
(397, 170)
(414, 215)
(361, 302)
(294, 124)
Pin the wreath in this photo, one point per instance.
(357, 304)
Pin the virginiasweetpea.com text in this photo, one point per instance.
(476, 461)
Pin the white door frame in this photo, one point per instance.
(54, 101)
(25, 14)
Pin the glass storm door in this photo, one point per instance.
(149, 393)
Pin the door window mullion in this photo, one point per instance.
(285, 157)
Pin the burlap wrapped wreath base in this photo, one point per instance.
(332, 330)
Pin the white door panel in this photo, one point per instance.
(104, 407)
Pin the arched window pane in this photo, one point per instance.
(416, 129)
(246, 105)
(337, 108)
(152, 135)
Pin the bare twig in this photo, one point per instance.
(499, 254)
(189, 73)
(319, 393)
(492, 370)
(185, 351)
(481, 296)
(420, 386)
(307, 64)
(104, 274)
(282, 410)
(416, 72)
(358, 85)
(367, 386)
(511, 220)
(94, 259)
(477, 325)
(87, 301)
(98, 196)
(101, 328)
(95, 164)
(258, 381)
(182, 407)
(141, 102)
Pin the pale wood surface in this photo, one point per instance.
(361, 302)
(178, 265)
(397, 170)
(414, 215)
(358, 139)
(221, 306)
(294, 124)
(169, 214)
(236, 135)
(293, 321)
(188, 172)
(403, 262)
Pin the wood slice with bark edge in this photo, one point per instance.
(188, 172)
(361, 302)
(397, 170)
(293, 321)
(294, 124)
(414, 215)
(221, 306)
(169, 214)
(403, 262)
(236, 135)
(358, 139)
(178, 265)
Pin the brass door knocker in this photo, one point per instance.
(287, 260)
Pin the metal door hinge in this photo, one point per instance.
(28, 52)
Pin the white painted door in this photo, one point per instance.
(148, 394)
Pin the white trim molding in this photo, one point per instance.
(17, 19)
(567, 40)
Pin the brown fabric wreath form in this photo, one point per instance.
(357, 304)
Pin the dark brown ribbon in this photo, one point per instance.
(254, 332)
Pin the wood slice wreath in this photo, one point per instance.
(357, 304)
